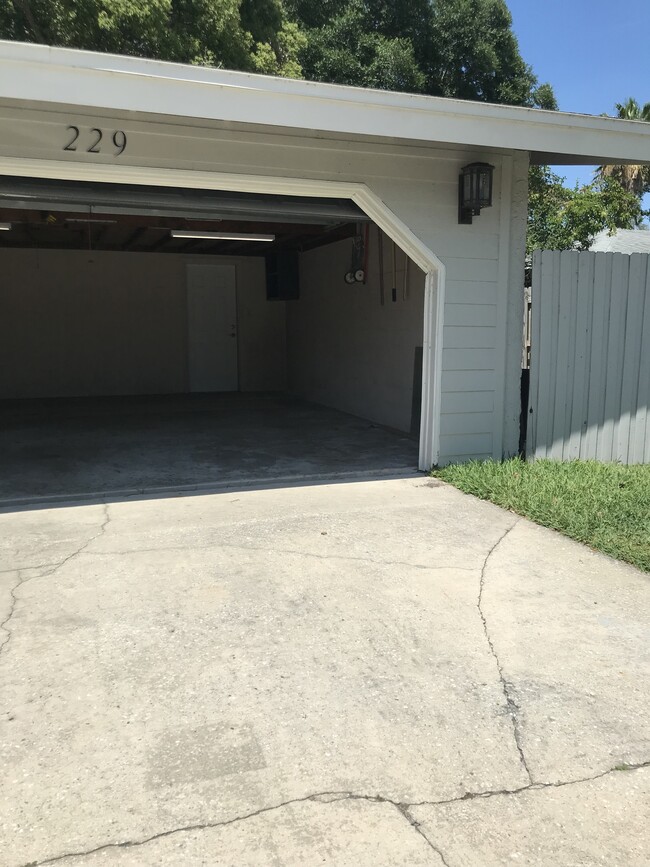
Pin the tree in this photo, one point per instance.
(455, 48)
(633, 178)
(252, 35)
(542, 96)
(361, 43)
(474, 53)
(563, 219)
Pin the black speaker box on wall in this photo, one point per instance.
(283, 275)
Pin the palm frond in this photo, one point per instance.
(633, 178)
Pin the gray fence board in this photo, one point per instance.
(590, 357)
(640, 444)
(593, 441)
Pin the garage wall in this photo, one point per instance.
(345, 349)
(261, 329)
(74, 323)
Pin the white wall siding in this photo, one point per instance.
(590, 362)
(466, 292)
(468, 360)
(466, 446)
(457, 381)
(469, 401)
(482, 335)
(468, 337)
(470, 314)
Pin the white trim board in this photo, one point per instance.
(369, 202)
(502, 305)
(41, 75)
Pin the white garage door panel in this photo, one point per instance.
(212, 327)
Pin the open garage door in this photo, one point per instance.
(179, 338)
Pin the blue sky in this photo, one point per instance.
(594, 53)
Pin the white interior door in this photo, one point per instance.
(212, 327)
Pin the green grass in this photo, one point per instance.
(606, 506)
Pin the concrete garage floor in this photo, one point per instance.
(67, 447)
(381, 674)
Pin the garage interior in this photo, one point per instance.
(156, 338)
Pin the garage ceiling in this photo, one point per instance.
(67, 215)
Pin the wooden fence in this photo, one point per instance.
(590, 357)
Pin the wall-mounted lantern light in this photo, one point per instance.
(474, 191)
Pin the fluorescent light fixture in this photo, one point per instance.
(5, 227)
(89, 220)
(219, 236)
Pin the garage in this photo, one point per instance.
(154, 339)
(139, 324)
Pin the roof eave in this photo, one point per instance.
(42, 74)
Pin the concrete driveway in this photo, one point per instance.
(380, 673)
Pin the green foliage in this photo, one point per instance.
(631, 110)
(474, 53)
(253, 35)
(606, 506)
(544, 97)
(359, 44)
(280, 56)
(563, 219)
(454, 48)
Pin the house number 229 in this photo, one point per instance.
(94, 139)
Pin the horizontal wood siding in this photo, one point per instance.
(469, 378)
(465, 446)
(458, 381)
(470, 314)
(470, 358)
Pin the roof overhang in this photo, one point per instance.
(55, 76)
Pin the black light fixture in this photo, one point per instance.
(474, 190)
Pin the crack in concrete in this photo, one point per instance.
(100, 532)
(511, 705)
(279, 551)
(333, 796)
(12, 607)
(318, 797)
(27, 568)
(55, 567)
(491, 793)
(533, 787)
(413, 822)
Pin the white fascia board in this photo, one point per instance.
(59, 76)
